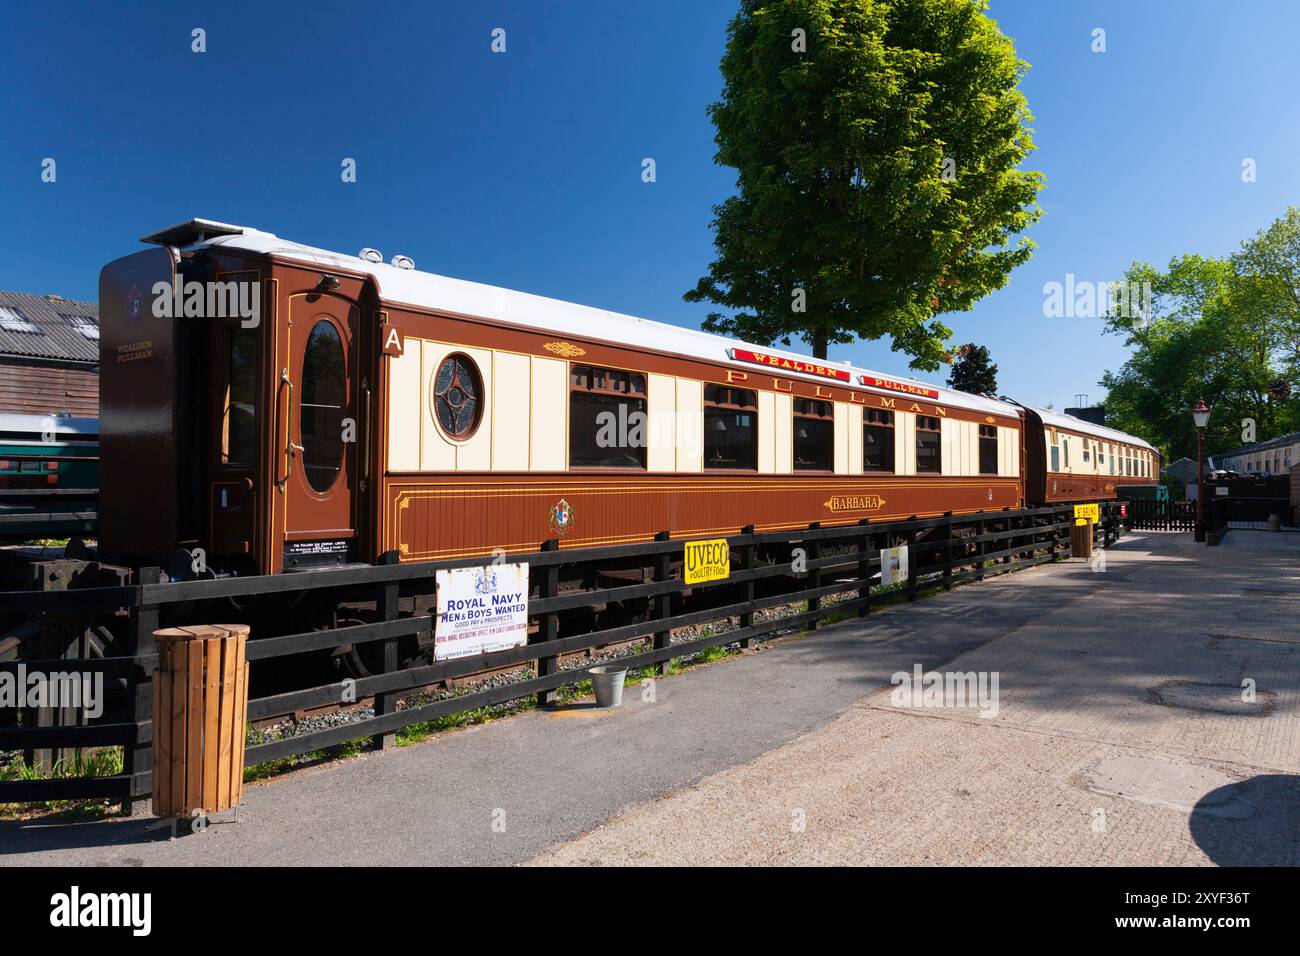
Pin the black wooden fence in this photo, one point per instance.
(29, 513)
(1148, 514)
(943, 551)
(1234, 511)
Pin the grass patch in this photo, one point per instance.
(836, 617)
(101, 762)
(261, 771)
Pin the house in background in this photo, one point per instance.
(49, 355)
(1273, 457)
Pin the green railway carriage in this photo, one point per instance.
(45, 461)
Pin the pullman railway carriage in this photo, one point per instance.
(369, 412)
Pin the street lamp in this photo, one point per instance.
(1201, 416)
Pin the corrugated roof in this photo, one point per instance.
(56, 336)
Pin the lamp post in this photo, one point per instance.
(1201, 416)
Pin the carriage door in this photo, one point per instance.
(322, 434)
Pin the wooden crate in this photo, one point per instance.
(200, 703)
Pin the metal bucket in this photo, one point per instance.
(608, 684)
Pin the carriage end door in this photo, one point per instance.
(321, 432)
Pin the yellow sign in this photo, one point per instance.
(1089, 513)
(707, 561)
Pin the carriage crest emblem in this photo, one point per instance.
(133, 307)
(562, 517)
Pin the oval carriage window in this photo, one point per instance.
(457, 389)
(320, 422)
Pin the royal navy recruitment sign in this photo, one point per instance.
(893, 565)
(481, 610)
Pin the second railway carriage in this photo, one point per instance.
(283, 407)
(1069, 459)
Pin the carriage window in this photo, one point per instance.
(457, 397)
(239, 417)
(607, 418)
(877, 440)
(988, 450)
(730, 427)
(320, 411)
(1056, 458)
(814, 435)
(929, 458)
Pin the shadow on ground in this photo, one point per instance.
(1254, 822)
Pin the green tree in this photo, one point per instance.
(1221, 329)
(1272, 261)
(973, 371)
(877, 146)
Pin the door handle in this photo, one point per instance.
(288, 418)
(365, 433)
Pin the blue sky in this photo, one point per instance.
(523, 169)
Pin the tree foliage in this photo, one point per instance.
(1227, 330)
(973, 371)
(877, 171)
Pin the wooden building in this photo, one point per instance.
(49, 356)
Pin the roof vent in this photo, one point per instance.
(192, 231)
(403, 262)
(370, 255)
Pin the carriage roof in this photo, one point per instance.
(429, 291)
(1059, 420)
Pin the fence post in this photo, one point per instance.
(387, 608)
(548, 623)
(814, 554)
(1011, 540)
(137, 756)
(747, 564)
(864, 569)
(911, 562)
(947, 554)
(663, 604)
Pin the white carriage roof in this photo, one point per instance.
(37, 424)
(1060, 420)
(430, 291)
